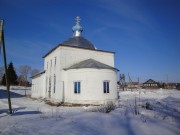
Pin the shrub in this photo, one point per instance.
(148, 106)
(106, 108)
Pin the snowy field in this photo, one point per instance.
(140, 112)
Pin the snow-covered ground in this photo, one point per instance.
(158, 113)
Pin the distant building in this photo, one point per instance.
(170, 85)
(178, 86)
(133, 85)
(150, 84)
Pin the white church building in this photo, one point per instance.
(76, 72)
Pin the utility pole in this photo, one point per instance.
(5, 65)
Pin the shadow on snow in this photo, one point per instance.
(17, 111)
(26, 113)
(3, 94)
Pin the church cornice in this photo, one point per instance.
(75, 47)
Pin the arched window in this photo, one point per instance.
(54, 83)
(49, 87)
(55, 61)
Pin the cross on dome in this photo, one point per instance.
(77, 29)
(77, 19)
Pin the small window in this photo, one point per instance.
(54, 83)
(106, 86)
(49, 83)
(49, 95)
(55, 61)
(77, 87)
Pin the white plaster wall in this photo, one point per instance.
(91, 86)
(70, 56)
(65, 57)
(38, 87)
(50, 72)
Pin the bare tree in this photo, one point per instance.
(24, 71)
(21, 80)
(34, 72)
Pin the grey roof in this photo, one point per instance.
(150, 81)
(73, 47)
(90, 63)
(79, 41)
(36, 75)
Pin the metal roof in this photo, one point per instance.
(36, 75)
(91, 63)
(79, 41)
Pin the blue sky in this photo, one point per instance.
(145, 34)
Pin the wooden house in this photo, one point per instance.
(151, 84)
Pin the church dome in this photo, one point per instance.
(79, 41)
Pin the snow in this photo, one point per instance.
(33, 116)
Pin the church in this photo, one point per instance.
(76, 72)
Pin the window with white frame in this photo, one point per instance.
(54, 89)
(77, 87)
(106, 86)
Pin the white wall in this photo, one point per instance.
(38, 87)
(65, 57)
(70, 56)
(52, 70)
(91, 86)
